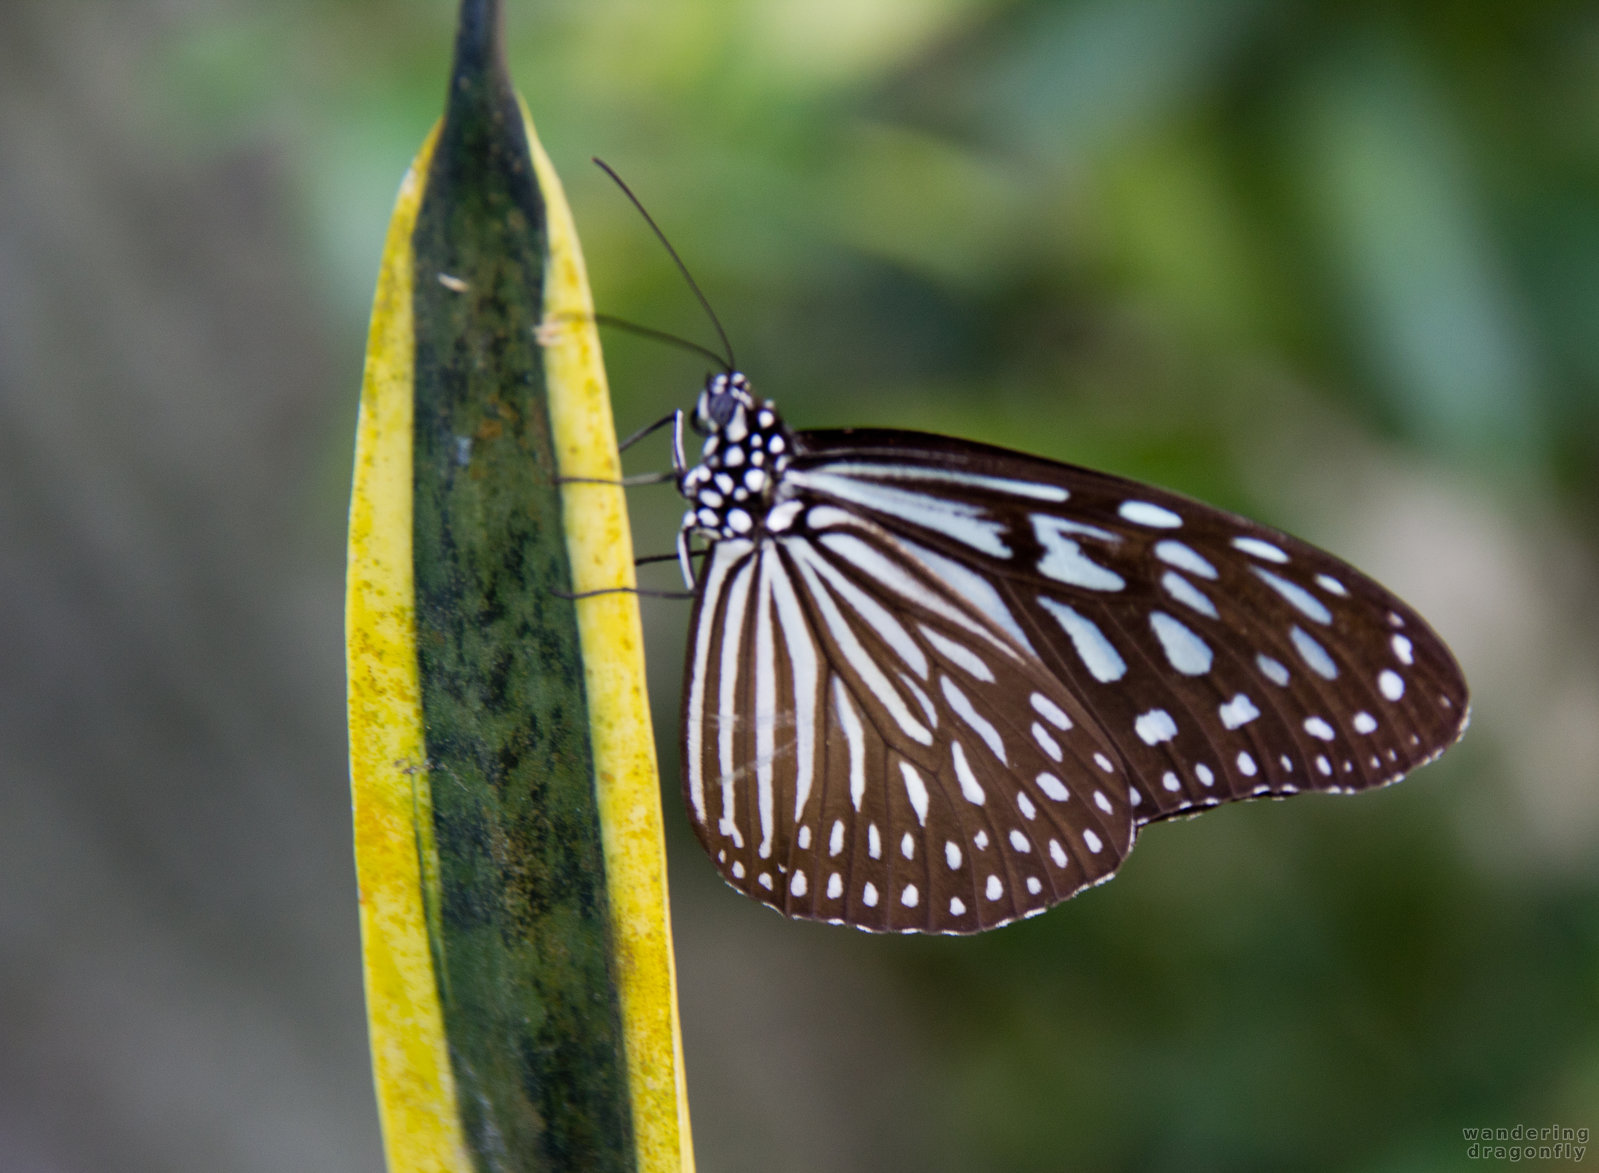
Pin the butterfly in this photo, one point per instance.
(934, 686)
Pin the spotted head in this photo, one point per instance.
(747, 447)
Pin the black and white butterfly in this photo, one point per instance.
(935, 686)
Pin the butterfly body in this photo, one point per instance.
(934, 686)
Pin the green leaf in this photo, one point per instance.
(520, 988)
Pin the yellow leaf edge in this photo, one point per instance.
(390, 804)
(627, 785)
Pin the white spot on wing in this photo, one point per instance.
(967, 712)
(915, 790)
(1155, 726)
(970, 790)
(1102, 660)
(1246, 764)
(957, 906)
(855, 744)
(1050, 711)
(1045, 742)
(1319, 729)
(835, 886)
(1094, 843)
(1365, 723)
(1404, 650)
(1171, 782)
(952, 854)
(874, 841)
(1064, 559)
(1260, 549)
(1390, 684)
(835, 840)
(1184, 557)
(959, 654)
(1057, 853)
(1147, 513)
(1020, 842)
(1272, 670)
(1185, 651)
(824, 517)
(1302, 600)
(907, 845)
(1237, 712)
(1313, 653)
(1330, 584)
(1188, 594)
(921, 698)
(1025, 805)
(796, 884)
(869, 895)
(1052, 787)
(781, 517)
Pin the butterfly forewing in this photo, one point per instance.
(1220, 658)
(866, 745)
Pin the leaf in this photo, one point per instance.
(520, 987)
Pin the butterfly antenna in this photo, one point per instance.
(657, 335)
(677, 260)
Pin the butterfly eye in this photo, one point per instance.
(718, 403)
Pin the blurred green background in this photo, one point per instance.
(1334, 265)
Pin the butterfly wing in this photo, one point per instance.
(1221, 658)
(863, 745)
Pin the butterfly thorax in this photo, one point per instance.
(747, 447)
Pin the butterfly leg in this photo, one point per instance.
(648, 558)
(684, 554)
(641, 592)
(630, 482)
(675, 418)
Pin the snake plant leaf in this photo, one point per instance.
(516, 941)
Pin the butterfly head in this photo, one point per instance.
(747, 447)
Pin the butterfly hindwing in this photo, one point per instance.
(854, 751)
